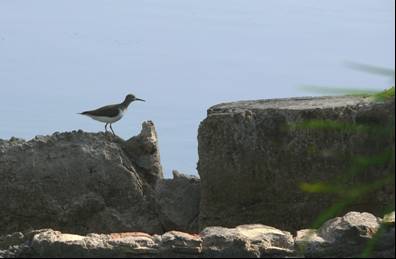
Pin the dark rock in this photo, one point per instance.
(80, 183)
(11, 239)
(385, 244)
(253, 156)
(177, 202)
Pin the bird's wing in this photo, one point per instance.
(107, 111)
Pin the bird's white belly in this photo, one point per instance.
(107, 119)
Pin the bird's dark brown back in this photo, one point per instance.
(106, 111)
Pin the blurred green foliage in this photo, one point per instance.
(385, 95)
(346, 194)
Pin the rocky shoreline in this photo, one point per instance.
(78, 194)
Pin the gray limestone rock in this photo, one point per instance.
(80, 183)
(254, 156)
(246, 241)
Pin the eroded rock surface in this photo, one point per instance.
(254, 155)
(342, 236)
(246, 241)
(80, 183)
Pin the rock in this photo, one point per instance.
(11, 245)
(144, 151)
(246, 241)
(80, 183)
(346, 236)
(175, 242)
(353, 228)
(177, 202)
(309, 243)
(17, 245)
(55, 244)
(219, 241)
(133, 244)
(120, 245)
(254, 155)
(12, 239)
(267, 240)
(341, 237)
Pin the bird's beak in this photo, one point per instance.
(137, 99)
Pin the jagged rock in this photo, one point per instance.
(80, 183)
(253, 155)
(143, 150)
(177, 202)
(344, 237)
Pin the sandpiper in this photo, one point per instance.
(111, 113)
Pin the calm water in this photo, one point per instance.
(58, 58)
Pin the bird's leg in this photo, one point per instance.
(112, 129)
(106, 127)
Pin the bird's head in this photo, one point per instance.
(130, 98)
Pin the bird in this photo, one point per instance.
(111, 113)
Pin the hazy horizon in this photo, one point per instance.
(58, 58)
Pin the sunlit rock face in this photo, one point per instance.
(254, 157)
